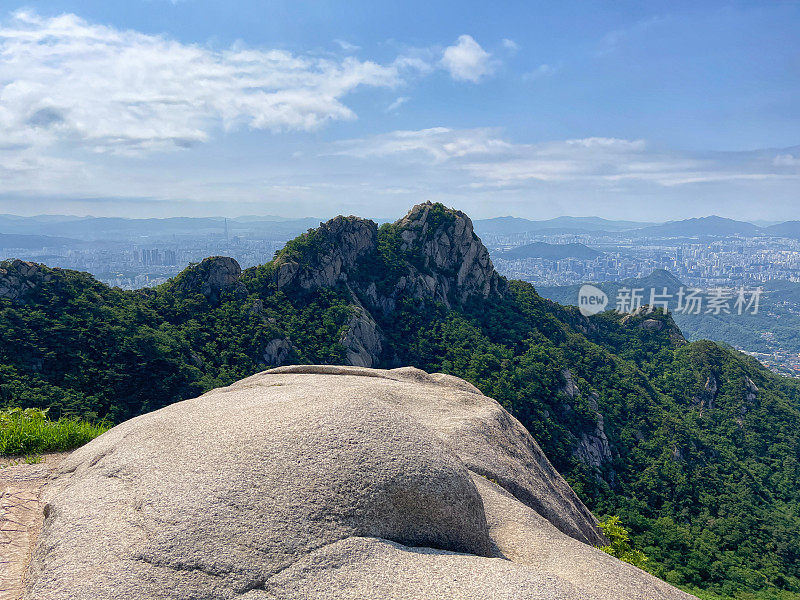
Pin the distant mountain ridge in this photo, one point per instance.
(549, 251)
(694, 227)
(11, 240)
(120, 229)
(512, 225)
(787, 229)
(712, 225)
(283, 228)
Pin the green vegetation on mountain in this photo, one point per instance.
(619, 543)
(772, 327)
(695, 447)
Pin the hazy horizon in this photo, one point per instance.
(379, 219)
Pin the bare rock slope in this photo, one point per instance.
(324, 482)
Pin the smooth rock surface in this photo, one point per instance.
(323, 482)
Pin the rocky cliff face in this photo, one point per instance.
(593, 447)
(455, 263)
(327, 256)
(314, 482)
(442, 260)
(212, 277)
(363, 340)
(19, 278)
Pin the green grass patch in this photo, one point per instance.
(770, 594)
(30, 432)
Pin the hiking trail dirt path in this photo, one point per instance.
(21, 517)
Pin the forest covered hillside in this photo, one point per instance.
(693, 445)
(768, 326)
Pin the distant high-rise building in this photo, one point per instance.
(151, 256)
(170, 258)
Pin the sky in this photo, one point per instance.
(628, 110)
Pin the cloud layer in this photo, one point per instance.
(485, 159)
(88, 111)
(64, 78)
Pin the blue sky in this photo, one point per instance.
(645, 110)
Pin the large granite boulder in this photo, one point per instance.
(323, 482)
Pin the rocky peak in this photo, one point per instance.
(444, 260)
(446, 243)
(18, 278)
(656, 321)
(325, 256)
(212, 277)
(438, 257)
(750, 399)
(751, 390)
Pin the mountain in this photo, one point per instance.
(516, 225)
(549, 251)
(693, 445)
(10, 240)
(773, 328)
(121, 229)
(790, 229)
(711, 226)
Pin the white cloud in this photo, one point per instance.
(397, 103)
(481, 171)
(417, 61)
(466, 60)
(437, 143)
(64, 79)
(543, 70)
(347, 46)
(608, 143)
(484, 159)
(613, 40)
(510, 45)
